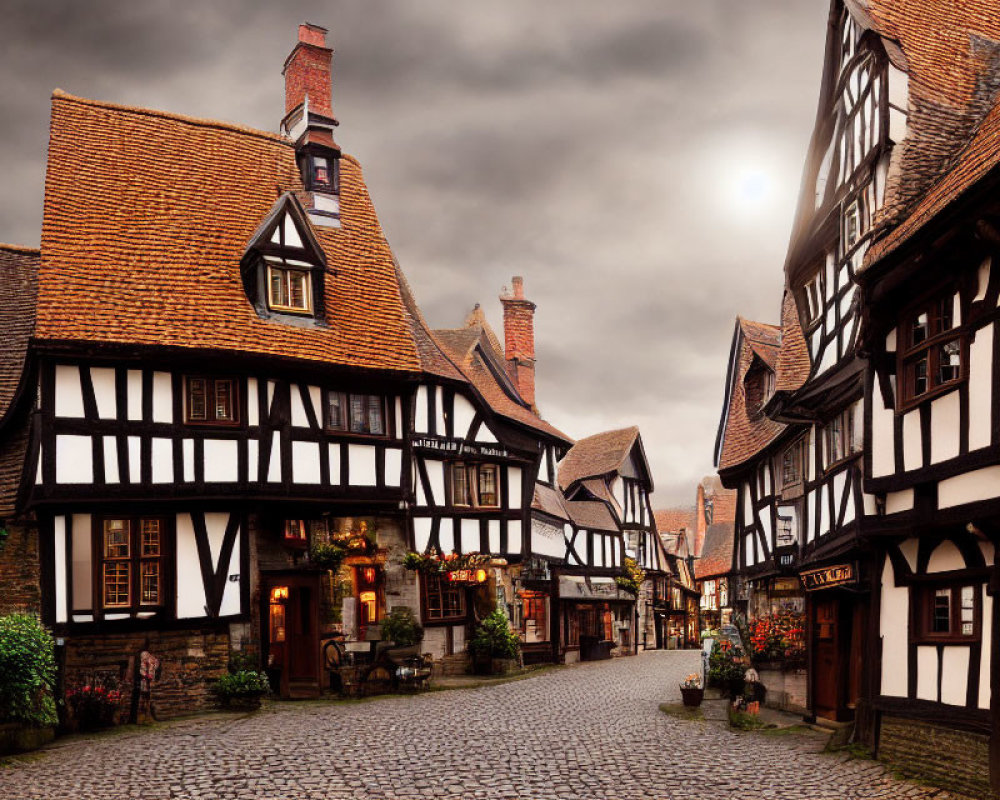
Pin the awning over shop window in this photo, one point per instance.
(578, 587)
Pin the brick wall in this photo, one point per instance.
(20, 586)
(309, 72)
(955, 760)
(191, 660)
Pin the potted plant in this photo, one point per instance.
(401, 628)
(494, 644)
(692, 692)
(27, 677)
(95, 704)
(726, 667)
(242, 690)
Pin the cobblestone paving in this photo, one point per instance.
(586, 732)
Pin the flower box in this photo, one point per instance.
(692, 696)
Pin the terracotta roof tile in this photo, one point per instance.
(549, 501)
(147, 215)
(672, 520)
(793, 365)
(18, 293)
(717, 554)
(596, 455)
(590, 515)
(744, 436)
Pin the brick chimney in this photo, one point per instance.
(519, 340)
(308, 71)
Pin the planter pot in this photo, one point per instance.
(693, 696)
(504, 666)
(18, 738)
(482, 663)
(241, 702)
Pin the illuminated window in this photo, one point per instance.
(534, 617)
(131, 564)
(296, 532)
(279, 594)
(443, 600)
(369, 606)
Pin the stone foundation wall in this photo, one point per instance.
(190, 662)
(20, 583)
(952, 759)
(786, 690)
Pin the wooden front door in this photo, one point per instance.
(293, 634)
(826, 677)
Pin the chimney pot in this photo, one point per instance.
(308, 72)
(518, 282)
(312, 34)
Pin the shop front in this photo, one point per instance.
(837, 611)
(598, 618)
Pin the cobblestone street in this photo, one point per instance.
(589, 731)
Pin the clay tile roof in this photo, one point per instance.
(676, 544)
(471, 350)
(18, 293)
(599, 488)
(549, 501)
(596, 455)
(147, 216)
(793, 365)
(717, 554)
(590, 515)
(952, 55)
(743, 436)
(671, 520)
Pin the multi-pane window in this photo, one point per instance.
(948, 612)
(534, 617)
(475, 485)
(443, 600)
(852, 224)
(839, 437)
(288, 289)
(814, 296)
(210, 400)
(295, 532)
(131, 564)
(932, 352)
(790, 467)
(323, 173)
(357, 413)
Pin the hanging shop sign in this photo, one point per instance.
(828, 577)
(467, 575)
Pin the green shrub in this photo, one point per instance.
(327, 556)
(631, 578)
(27, 671)
(401, 627)
(243, 683)
(494, 636)
(727, 663)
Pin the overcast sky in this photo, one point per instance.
(637, 162)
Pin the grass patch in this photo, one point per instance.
(741, 721)
(789, 730)
(682, 712)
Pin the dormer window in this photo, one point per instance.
(284, 266)
(322, 173)
(757, 384)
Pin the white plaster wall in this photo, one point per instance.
(274, 465)
(968, 487)
(985, 661)
(435, 476)
(190, 590)
(133, 385)
(253, 459)
(231, 597)
(74, 459)
(103, 379)
(393, 465)
(909, 549)
(980, 388)
(765, 524)
(984, 279)
(547, 540)
(69, 393)
(945, 557)
(111, 474)
(446, 535)
(82, 568)
(912, 453)
(333, 458)
(747, 506)
(485, 435)
(945, 427)
(869, 506)
(163, 398)
(270, 398)
(824, 509)
(253, 409)
(316, 396)
(514, 536)
(400, 429)
(420, 411)
(493, 527)
(927, 673)
(811, 523)
(187, 457)
(749, 549)
(839, 484)
(221, 461)
(305, 462)
(883, 437)
(988, 552)
(134, 459)
(59, 557)
(439, 411)
(470, 536)
(463, 416)
(597, 558)
(955, 675)
(898, 501)
(215, 526)
(810, 453)
(162, 454)
(419, 484)
(421, 533)
(299, 418)
(362, 461)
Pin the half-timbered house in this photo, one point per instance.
(676, 611)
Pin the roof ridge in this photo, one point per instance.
(204, 122)
(20, 248)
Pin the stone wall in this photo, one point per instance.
(786, 690)
(190, 661)
(20, 584)
(955, 760)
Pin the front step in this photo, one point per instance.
(303, 690)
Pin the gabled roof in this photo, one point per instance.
(549, 501)
(598, 455)
(717, 554)
(676, 544)
(474, 350)
(591, 515)
(741, 436)
(147, 215)
(672, 520)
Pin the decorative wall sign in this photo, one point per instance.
(458, 447)
(827, 577)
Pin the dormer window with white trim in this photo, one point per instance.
(288, 285)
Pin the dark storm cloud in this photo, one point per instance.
(595, 148)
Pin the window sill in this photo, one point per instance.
(931, 394)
